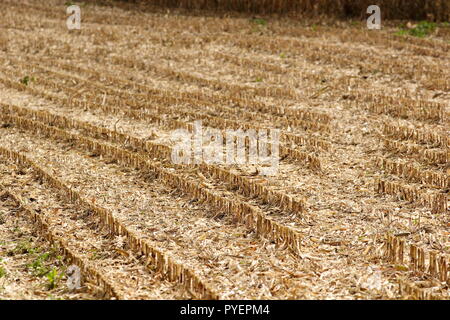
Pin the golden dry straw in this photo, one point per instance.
(414, 173)
(246, 185)
(410, 290)
(429, 263)
(305, 120)
(255, 105)
(71, 257)
(240, 91)
(161, 259)
(423, 136)
(250, 216)
(437, 202)
(431, 156)
(312, 161)
(153, 113)
(336, 55)
(411, 112)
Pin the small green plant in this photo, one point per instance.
(53, 278)
(38, 265)
(2, 272)
(401, 33)
(26, 80)
(259, 21)
(259, 79)
(23, 247)
(421, 30)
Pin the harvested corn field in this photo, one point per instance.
(98, 199)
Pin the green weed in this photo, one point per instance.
(2, 272)
(23, 247)
(259, 21)
(26, 80)
(421, 30)
(38, 266)
(53, 278)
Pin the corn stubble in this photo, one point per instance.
(358, 149)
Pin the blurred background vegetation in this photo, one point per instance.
(432, 10)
